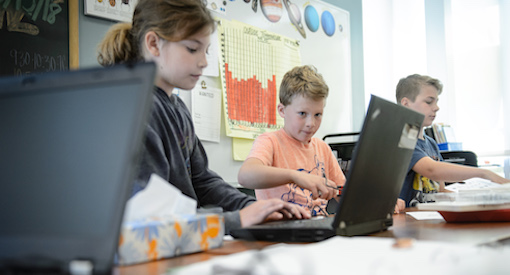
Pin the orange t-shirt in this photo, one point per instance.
(278, 149)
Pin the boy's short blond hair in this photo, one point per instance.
(305, 81)
(410, 86)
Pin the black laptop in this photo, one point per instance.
(380, 161)
(68, 145)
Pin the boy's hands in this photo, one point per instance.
(255, 174)
(400, 205)
(495, 177)
(272, 209)
(316, 184)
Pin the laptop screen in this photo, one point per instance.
(380, 162)
(67, 148)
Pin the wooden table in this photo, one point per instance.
(404, 226)
(161, 266)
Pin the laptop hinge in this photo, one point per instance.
(363, 228)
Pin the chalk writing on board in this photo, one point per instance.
(33, 61)
(46, 10)
(34, 36)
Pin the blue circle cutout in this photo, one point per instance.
(311, 18)
(328, 23)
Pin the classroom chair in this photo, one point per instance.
(460, 157)
(343, 149)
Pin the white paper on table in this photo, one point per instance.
(158, 199)
(426, 215)
(358, 255)
(476, 184)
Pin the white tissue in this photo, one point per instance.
(159, 199)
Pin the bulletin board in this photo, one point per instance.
(322, 34)
(38, 36)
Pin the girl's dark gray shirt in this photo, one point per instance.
(173, 151)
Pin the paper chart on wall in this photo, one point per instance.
(206, 108)
(253, 62)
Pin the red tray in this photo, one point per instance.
(499, 215)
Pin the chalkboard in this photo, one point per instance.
(34, 36)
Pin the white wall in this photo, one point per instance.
(394, 44)
(464, 43)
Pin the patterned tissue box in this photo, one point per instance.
(154, 239)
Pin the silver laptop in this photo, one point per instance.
(379, 165)
(68, 145)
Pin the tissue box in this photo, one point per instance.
(154, 239)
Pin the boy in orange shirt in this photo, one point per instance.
(290, 164)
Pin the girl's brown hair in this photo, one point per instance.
(172, 20)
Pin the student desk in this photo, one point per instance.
(404, 226)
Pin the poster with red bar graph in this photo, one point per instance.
(253, 62)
